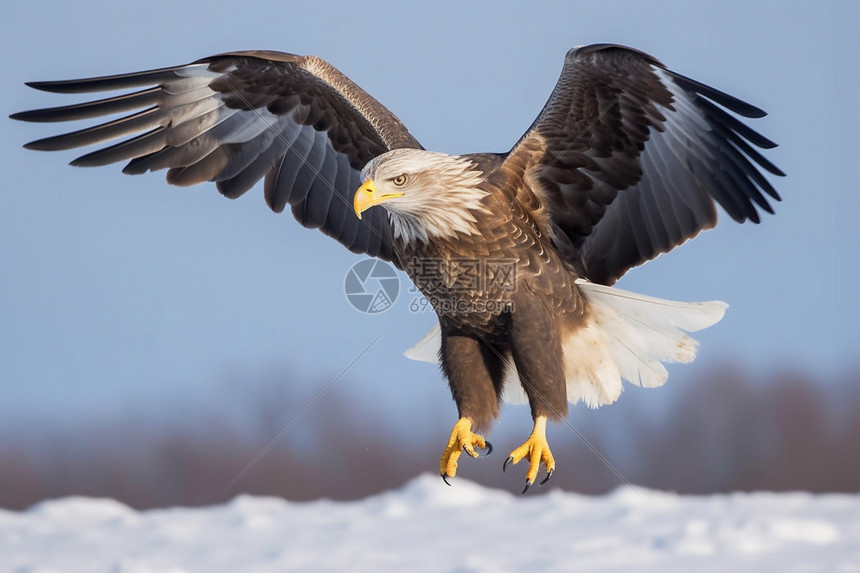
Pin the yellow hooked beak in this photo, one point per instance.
(366, 197)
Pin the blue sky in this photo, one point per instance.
(122, 294)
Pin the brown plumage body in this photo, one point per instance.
(503, 295)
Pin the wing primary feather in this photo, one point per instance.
(186, 145)
(143, 144)
(719, 116)
(743, 164)
(736, 105)
(145, 119)
(172, 158)
(750, 151)
(756, 175)
(88, 110)
(742, 189)
(736, 204)
(115, 82)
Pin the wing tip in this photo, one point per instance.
(41, 85)
(726, 100)
(44, 144)
(61, 86)
(779, 173)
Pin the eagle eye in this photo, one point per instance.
(400, 180)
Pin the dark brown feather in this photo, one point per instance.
(630, 158)
(525, 320)
(240, 117)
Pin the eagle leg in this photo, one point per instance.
(537, 450)
(462, 440)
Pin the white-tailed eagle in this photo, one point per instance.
(516, 251)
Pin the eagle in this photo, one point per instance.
(517, 252)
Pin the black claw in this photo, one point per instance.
(507, 461)
(548, 475)
(445, 479)
(525, 489)
(481, 452)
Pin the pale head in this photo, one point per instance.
(427, 194)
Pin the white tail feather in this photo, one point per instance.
(427, 349)
(627, 335)
(642, 331)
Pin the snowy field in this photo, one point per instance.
(425, 526)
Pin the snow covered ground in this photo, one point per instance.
(426, 526)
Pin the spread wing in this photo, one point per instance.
(236, 118)
(631, 158)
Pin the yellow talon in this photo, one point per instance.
(461, 439)
(537, 449)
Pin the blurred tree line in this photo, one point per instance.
(724, 431)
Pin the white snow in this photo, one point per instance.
(426, 526)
